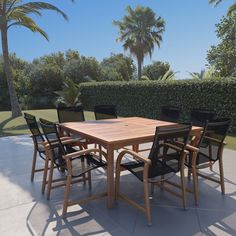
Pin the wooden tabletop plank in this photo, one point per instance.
(117, 130)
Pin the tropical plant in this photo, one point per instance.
(223, 55)
(169, 75)
(156, 70)
(231, 9)
(204, 74)
(140, 30)
(16, 13)
(69, 95)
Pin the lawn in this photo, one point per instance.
(9, 126)
(16, 126)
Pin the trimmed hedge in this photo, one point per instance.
(145, 98)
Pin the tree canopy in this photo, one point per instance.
(140, 30)
(223, 55)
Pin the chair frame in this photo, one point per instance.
(194, 169)
(147, 162)
(69, 179)
(36, 151)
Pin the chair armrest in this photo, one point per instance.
(175, 147)
(134, 154)
(83, 152)
(189, 147)
(214, 140)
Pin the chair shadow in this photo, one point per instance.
(94, 218)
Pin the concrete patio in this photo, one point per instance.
(25, 211)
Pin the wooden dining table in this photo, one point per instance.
(113, 134)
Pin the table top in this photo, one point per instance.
(122, 130)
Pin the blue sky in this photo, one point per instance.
(190, 31)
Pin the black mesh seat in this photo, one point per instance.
(38, 139)
(72, 162)
(200, 116)
(211, 147)
(156, 168)
(105, 112)
(170, 113)
(70, 114)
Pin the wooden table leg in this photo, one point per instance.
(110, 178)
(135, 147)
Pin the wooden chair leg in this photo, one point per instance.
(117, 182)
(147, 202)
(183, 189)
(195, 185)
(66, 195)
(33, 164)
(50, 180)
(100, 154)
(222, 183)
(45, 173)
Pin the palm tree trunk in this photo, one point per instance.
(15, 107)
(139, 68)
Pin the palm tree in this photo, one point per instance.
(231, 9)
(140, 30)
(16, 13)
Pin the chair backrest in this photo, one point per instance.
(105, 112)
(51, 133)
(170, 113)
(211, 143)
(70, 114)
(34, 129)
(170, 133)
(200, 116)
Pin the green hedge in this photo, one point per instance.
(145, 98)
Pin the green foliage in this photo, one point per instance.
(145, 98)
(204, 74)
(80, 68)
(231, 9)
(118, 67)
(140, 30)
(69, 95)
(169, 75)
(16, 13)
(223, 56)
(156, 70)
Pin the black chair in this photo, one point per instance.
(200, 116)
(105, 112)
(72, 163)
(157, 168)
(170, 113)
(211, 147)
(38, 140)
(70, 114)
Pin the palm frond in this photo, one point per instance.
(215, 2)
(21, 19)
(36, 7)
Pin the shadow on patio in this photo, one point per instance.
(25, 211)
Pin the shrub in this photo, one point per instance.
(145, 98)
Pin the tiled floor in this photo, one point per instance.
(25, 211)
